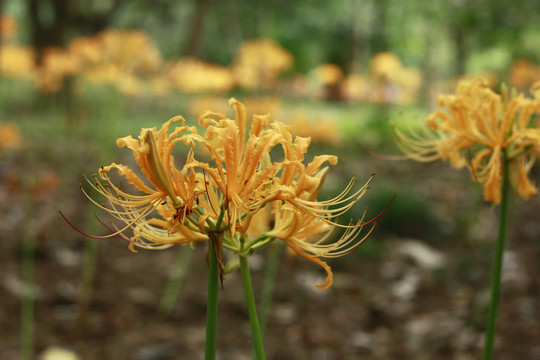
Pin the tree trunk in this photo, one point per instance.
(460, 46)
(47, 31)
(197, 27)
(379, 41)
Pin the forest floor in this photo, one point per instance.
(414, 291)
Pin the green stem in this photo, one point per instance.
(183, 259)
(253, 318)
(212, 296)
(212, 305)
(27, 302)
(269, 283)
(497, 267)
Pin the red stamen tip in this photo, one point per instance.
(93, 236)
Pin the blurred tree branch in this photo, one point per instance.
(197, 28)
(52, 20)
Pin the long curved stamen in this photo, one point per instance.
(93, 236)
(378, 217)
(108, 228)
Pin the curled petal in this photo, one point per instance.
(329, 275)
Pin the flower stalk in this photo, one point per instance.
(211, 304)
(214, 277)
(497, 267)
(252, 310)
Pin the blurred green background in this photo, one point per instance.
(75, 75)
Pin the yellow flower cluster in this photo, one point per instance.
(229, 190)
(119, 58)
(17, 62)
(55, 66)
(328, 74)
(322, 129)
(394, 82)
(129, 61)
(190, 75)
(259, 62)
(387, 81)
(480, 129)
(113, 57)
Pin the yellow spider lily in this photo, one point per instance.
(480, 129)
(173, 194)
(306, 225)
(202, 200)
(240, 169)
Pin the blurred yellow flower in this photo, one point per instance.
(356, 87)
(160, 85)
(8, 26)
(394, 83)
(205, 102)
(131, 50)
(480, 129)
(129, 84)
(10, 136)
(190, 75)
(103, 73)
(328, 74)
(385, 64)
(17, 62)
(119, 58)
(56, 64)
(321, 130)
(409, 82)
(523, 74)
(263, 105)
(259, 62)
(90, 50)
(326, 82)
